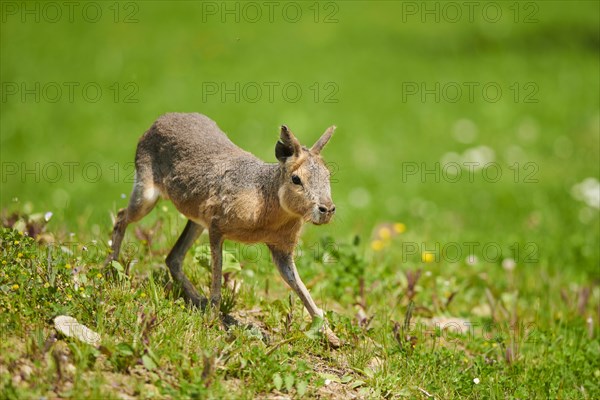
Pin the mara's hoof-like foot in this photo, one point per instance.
(331, 338)
(196, 301)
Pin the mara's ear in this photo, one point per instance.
(318, 146)
(287, 145)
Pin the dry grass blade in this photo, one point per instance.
(412, 277)
(584, 297)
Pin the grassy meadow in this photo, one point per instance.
(463, 261)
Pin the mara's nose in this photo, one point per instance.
(327, 208)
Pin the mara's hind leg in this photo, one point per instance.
(175, 263)
(143, 199)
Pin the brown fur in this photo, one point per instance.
(218, 186)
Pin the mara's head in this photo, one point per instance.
(305, 190)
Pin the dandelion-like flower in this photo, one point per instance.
(377, 245)
(399, 227)
(476, 381)
(385, 233)
(15, 287)
(427, 257)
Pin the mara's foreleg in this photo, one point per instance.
(143, 199)
(216, 251)
(287, 268)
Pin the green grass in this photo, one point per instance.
(535, 326)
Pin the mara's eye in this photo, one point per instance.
(296, 180)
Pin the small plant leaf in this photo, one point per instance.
(230, 263)
(301, 388)
(331, 377)
(289, 382)
(277, 381)
(148, 362)
(125, 349)
(357, 383)
(117, 266)
(315, 329)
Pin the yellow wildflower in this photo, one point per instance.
(399, 227)
(143, 294)
(385, 233)
(427, 257)
(19, 255)
(15, 287)
(4, 262)
(99, 275)
(16, 242)
(68, 266)
(377, 245)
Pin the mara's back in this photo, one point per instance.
(190, 161)
(176, 136)
(186, 147)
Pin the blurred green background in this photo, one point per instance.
(395, 77)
